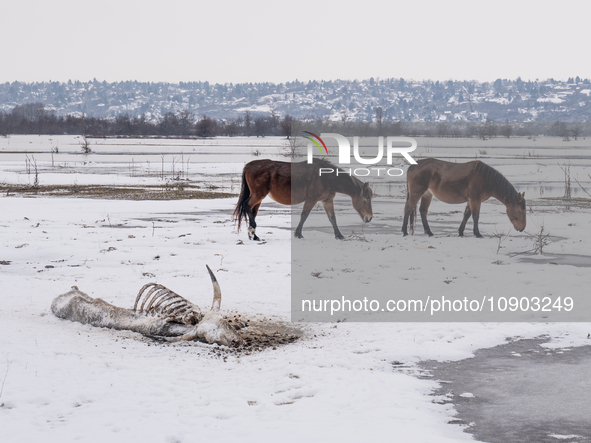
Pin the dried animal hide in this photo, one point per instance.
(166, 314)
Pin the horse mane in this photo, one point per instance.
(323, 163)
(498, 182)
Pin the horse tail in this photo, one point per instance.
(241, 211)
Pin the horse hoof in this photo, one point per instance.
(255, 238)
(296, 235)
(430, 234)
(339, 237)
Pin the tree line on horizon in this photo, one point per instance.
(33, 118)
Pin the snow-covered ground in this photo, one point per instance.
(63, 381)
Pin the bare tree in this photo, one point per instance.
(559, 129)
(481, 131)
(506, 130)
(491, 129)
(85, 145)
(471, 130)
(442, 130)
(262, 126)
(206, 127)
(294, 142)
(379, 119)
(273, 122)
(248, 124)
(169, 124)
(186, 120)
(286, 125)
(455, 131)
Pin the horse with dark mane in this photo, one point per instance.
(472, 182)
(295, 183)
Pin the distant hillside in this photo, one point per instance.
(339, 100)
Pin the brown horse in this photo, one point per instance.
(295, 183)
(472, 182)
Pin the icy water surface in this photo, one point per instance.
(520, 392)
(536, 166)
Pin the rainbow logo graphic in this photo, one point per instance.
(315, 142)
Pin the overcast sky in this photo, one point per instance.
(265, 40)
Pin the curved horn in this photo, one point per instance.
(217, 293)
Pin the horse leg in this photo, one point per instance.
(475, 208)
(467, 214)
(411, 203)
(407, 212)
(308, 206)
(252, 223)
(423, 209)
(329, 208)
(252, 209)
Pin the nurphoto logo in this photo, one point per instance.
(344, 147)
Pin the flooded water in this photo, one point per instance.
(538, 167)
(519, 392)
(580, 261)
